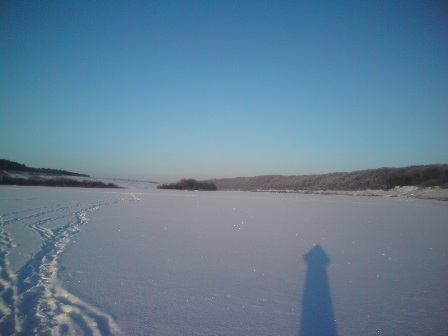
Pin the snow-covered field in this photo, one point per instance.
(151, 262)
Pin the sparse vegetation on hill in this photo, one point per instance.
(7, 165)
(6, 179)
(381, 178)
(189, 184)
(13, 173)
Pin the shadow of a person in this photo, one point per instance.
(317, 308)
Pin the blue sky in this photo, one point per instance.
(162, 90)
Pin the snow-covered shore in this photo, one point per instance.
(436, 193)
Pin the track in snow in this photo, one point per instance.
(33, 300)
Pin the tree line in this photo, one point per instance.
(14, 166)
(189, 184)
(6, 179)
(381, 178)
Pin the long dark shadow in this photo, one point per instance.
(317, 307)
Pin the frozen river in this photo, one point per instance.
(152, 262)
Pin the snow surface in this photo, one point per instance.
(157, 262)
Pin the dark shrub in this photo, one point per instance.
(189, 184)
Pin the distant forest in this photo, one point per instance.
(18, 167)
(189, 184)
(54, 177)
(381, 178)
(6, 179)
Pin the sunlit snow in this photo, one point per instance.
(151, 262)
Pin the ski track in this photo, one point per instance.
(33, 300)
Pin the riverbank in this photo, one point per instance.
(436, 193)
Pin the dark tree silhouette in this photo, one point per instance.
(14, 166)
(189, 184)
(6, 179)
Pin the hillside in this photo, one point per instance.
(11, 166)
(6, 179)
(381, 178)
(13, 173)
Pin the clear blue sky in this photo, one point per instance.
(162, 90)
